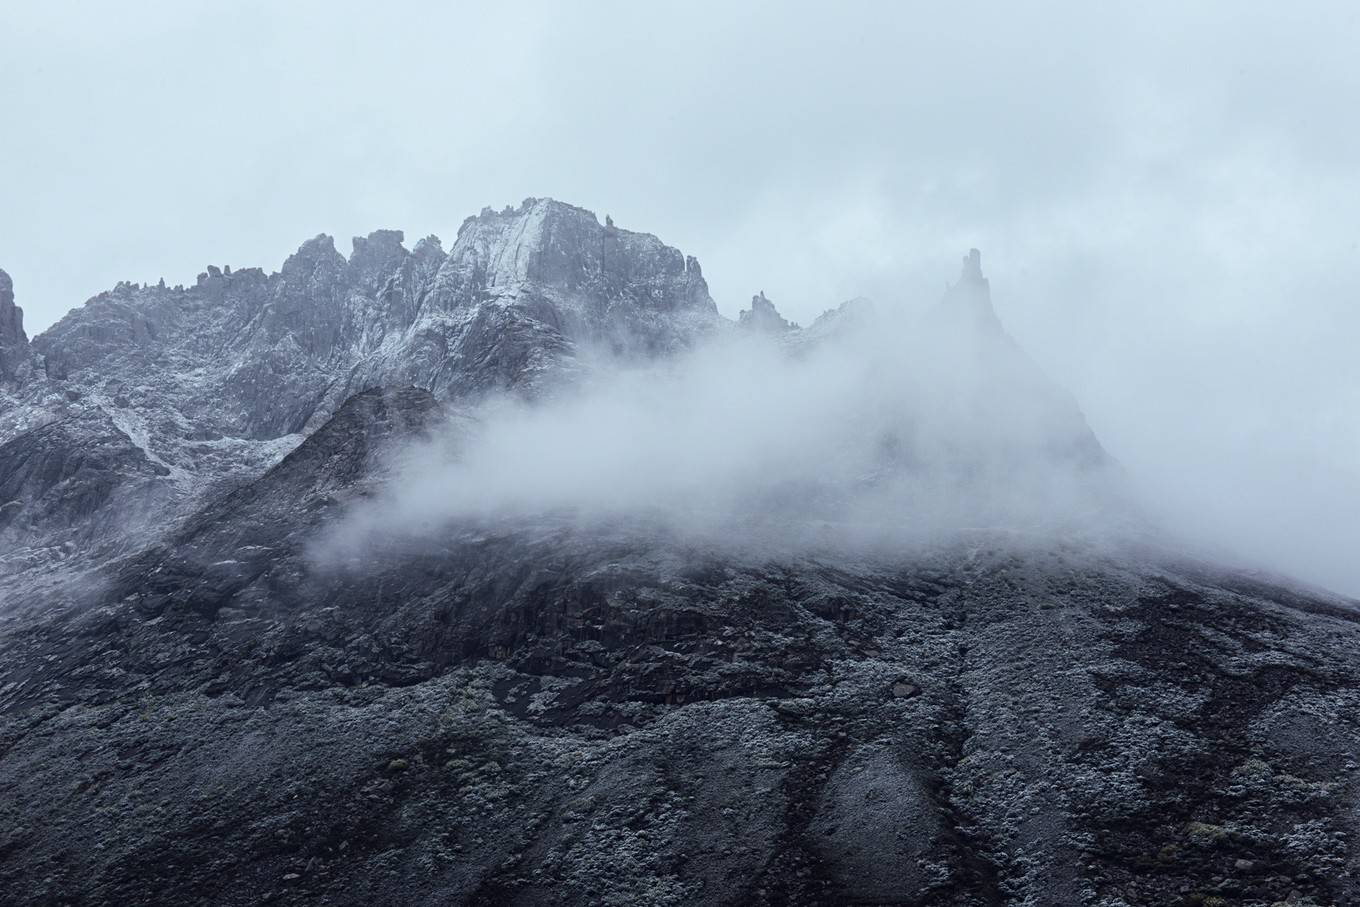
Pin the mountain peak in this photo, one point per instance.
(376, 256)
(318, 247)
(385, 240)
(601, 274)
(763, 317)
(971, 297)
(972, 267)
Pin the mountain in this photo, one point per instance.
(214, 383)
(762, 316)
(196, 709)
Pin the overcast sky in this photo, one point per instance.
(1167, 200)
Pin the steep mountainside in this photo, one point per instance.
(543, 714)
(196, 708)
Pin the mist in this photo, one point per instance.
(878, 427)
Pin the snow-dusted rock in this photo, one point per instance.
(216, 381)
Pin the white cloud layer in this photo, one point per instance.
(881, 432)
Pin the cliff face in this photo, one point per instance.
(13, 340)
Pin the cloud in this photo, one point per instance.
(877, 431)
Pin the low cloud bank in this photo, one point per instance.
(871, 428)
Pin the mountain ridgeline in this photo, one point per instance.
(1012, 709)
(213, 383)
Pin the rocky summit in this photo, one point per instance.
(196, 708)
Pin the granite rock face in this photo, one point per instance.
(195, 707)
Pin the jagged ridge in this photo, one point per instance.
(216, 381)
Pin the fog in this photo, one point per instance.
(1167, 196)
(873, 430)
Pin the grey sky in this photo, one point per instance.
(1167, 199)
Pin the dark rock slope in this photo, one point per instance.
(549, 714)
(78, 480)
(542, 715)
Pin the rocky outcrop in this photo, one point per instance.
(762, 317)
(969, 300)
(79, 484)
(14, 358)
(524, 292)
